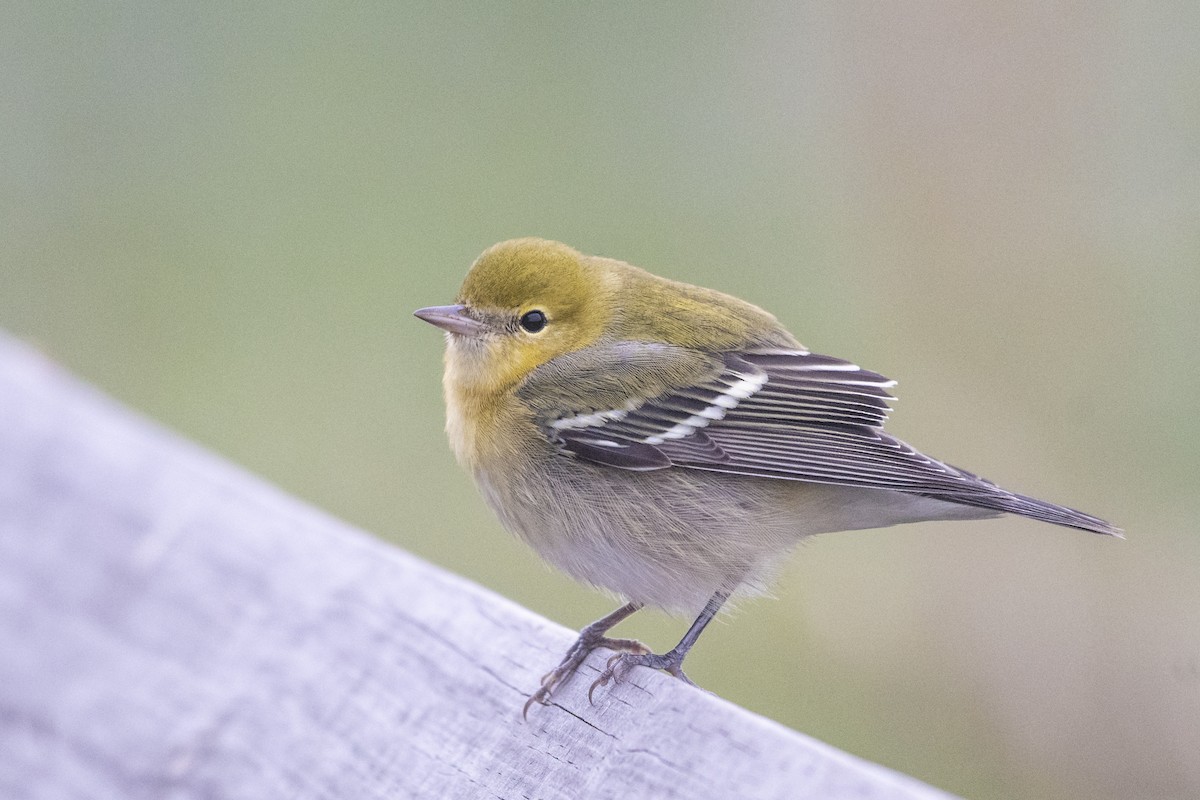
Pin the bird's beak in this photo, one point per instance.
(453, 319)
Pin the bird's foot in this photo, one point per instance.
(620, 664)
(579, 651)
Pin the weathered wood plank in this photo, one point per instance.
(172, 627)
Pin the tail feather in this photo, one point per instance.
(1041, 510)
(998, 499)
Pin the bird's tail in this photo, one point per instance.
(1046, 512)
(998, 499)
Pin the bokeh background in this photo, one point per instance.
(223, 214)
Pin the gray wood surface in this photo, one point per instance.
(173, 627)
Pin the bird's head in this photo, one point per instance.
(524, 302)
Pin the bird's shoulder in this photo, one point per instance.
(651, 308)
(614, 374)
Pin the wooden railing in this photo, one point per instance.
(172, 627)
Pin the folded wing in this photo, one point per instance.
(784, 414)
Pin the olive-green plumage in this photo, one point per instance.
(670, 443)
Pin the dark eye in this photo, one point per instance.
(533, 321)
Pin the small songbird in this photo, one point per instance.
(671, 444)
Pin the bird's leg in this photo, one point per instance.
(589, 639)
(671, 662)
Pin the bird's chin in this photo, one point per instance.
(470, 356)
(469, 346)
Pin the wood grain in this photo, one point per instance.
(172, 627)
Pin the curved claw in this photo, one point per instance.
(541, 696)
(570, 663)
(619, 664)
(610, 673)
(601, 681)
(616, 667)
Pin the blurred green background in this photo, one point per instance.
(224, 215)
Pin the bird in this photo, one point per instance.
(671, 444)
